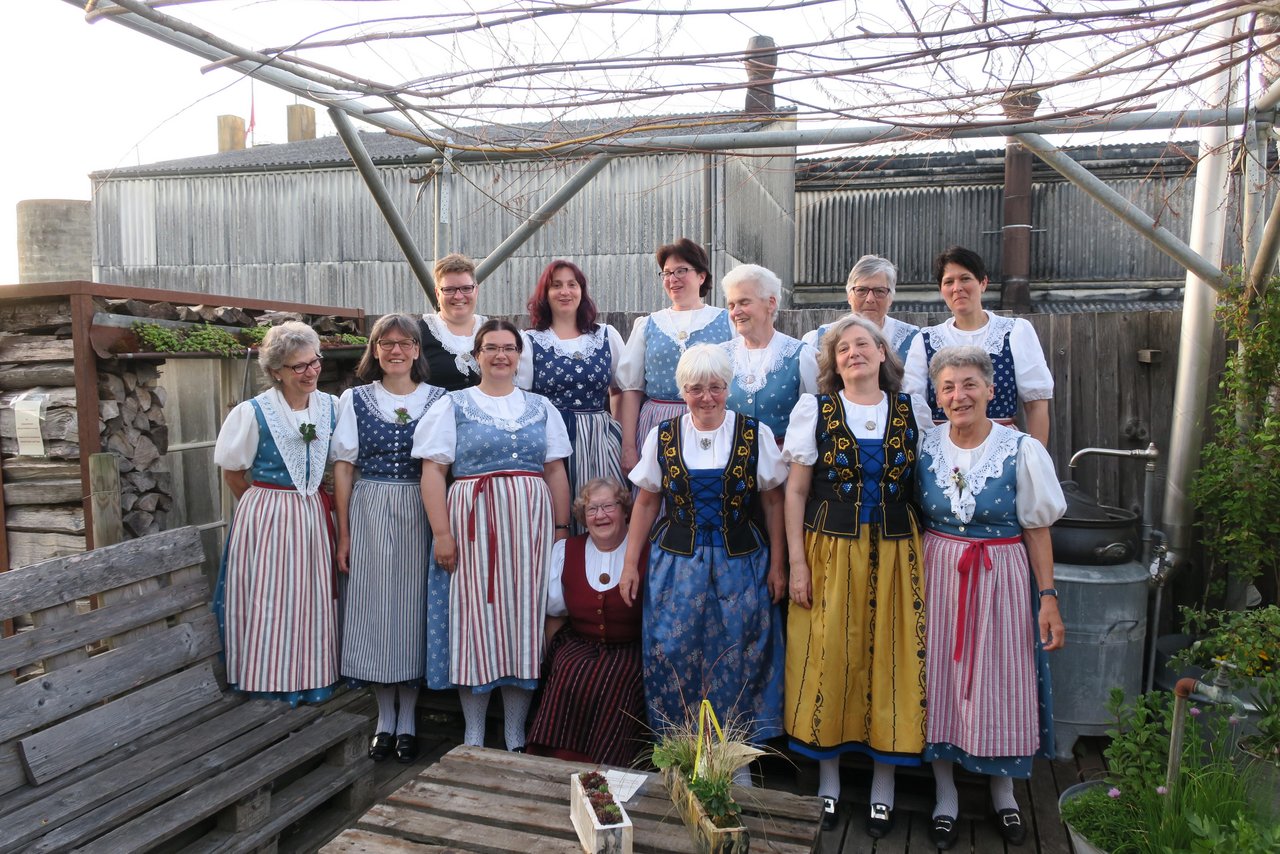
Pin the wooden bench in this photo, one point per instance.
(116, 733)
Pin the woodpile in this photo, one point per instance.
(131, 422)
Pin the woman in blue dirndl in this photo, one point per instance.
(383, 538)
(647, 371)
(571, 360)
(277, 577)
(712, 627)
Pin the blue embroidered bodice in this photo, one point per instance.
(299, 464)
(385, 445)
(661, 353)
(1005, 403)
(771, 396)
(486, 444)
(993, 482)
(573, 382)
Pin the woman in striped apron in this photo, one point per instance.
(493, 534)
(988, 495)
(647, 373)
(275, 598)
(571, 360)
(383, 536)
(1021, 376)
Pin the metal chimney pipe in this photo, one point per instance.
(1015, 233)
(761, 63)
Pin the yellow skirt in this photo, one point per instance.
(856, 660)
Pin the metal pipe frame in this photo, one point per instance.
(539, 218)
(369, 172)
(1164, 240)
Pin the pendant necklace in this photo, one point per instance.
(604, 578)
(682, 334)
(753, 367)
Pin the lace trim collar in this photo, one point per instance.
(585, 344)
(370, 398)
(897, 331)
(752, 376)
(303, 460)
(672, 323)
(459, 346)
(534, 410)
(1000, 445)
(998, 328)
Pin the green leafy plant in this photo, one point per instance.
(1136, 811)
(254, 334)
(1237, 488)
(193, 339)
(348, 338)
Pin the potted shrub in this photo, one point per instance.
(602, 824)
(698, 771)
(1205, 807)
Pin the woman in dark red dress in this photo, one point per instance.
(593, 700)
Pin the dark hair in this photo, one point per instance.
(540, 306)
(496, 324)
(369, 368)
(693, 255)
(966, 258)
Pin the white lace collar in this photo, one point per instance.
(457, 345)
(751, 368)
(896, 331)
(586, 343)
(997, 328)
(294, 450)
(962, 488)
(468, 401)
(415, 402)
(673, 323)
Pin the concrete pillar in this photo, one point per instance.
(302, 122)
(230, 133)
(1015, 233)
(55, 241)
(761, 63)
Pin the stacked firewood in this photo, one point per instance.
(132, 425)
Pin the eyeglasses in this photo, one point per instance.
(698, 391)
(302, 367)
(387, 346)
(465, 290)
(597, 509)
(492, 349)
(678, 272)
(863, 293)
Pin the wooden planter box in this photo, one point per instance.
(597, 838)
(706, 836)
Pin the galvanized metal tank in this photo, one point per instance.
(1105, 611)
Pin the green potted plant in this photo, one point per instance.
(698, 771)
(1206, 807)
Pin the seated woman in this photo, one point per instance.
(712, 625)
(593, 697)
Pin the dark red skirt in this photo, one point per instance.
(592, 701)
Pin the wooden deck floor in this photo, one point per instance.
(440, 729)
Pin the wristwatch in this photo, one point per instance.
(1049, 591)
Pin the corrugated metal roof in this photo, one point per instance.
(385, 149)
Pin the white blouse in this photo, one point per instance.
(630, 372)
(598, 563)
(436, 436)
(345, 447)
(569, 347)
(1040, 501)
(771, 471)
(801, 445)
(1035, 382)
(237, 444)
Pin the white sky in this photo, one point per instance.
(85, 98)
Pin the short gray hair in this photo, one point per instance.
(280, 341)
(702, 363)
(766, 281)
(962, 357)
(873, 265)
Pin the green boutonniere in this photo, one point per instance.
(402, 415)
(308, 432)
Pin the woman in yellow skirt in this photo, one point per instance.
(855, 675)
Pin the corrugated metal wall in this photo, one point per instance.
(1074, 238)
(317, 236)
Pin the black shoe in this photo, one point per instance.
(380, 746)
(944, 832)
(879, 821)
(406, 748)
(1011, 826)
(519, 749)
(829, 814)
